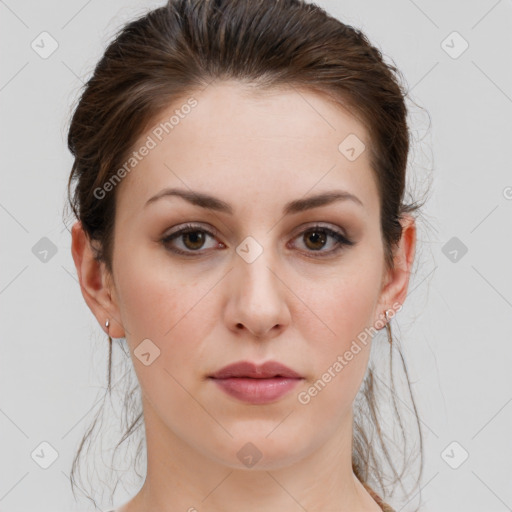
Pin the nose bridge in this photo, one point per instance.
(258, 300)
(255, 266)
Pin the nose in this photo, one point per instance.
(258, 297)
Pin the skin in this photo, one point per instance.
(255, 151)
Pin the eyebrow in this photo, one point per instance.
(213, 203)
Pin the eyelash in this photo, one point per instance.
(341, 240)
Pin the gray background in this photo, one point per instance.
(455, 326)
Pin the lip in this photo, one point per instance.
(248, 369)
(256, 384)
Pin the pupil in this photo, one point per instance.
(196, 237)
(316, 236)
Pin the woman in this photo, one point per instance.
(240, 174)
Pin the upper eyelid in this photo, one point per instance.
(212, 232)
(189, 226)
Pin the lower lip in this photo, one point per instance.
(257, 391)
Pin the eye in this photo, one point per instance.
(192, 237)
(317, 237)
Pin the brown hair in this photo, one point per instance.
(183, 46)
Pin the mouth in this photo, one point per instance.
(256, 384)
(247, 369)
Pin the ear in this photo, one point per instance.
(396, 280)
(95, 283)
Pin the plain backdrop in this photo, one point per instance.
(454, 328)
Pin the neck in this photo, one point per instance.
(180, 478)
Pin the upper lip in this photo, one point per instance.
(248, 369)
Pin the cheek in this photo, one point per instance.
(173, 315)
(339, 361)
(339, 309)
(339, 336)
(156, 298)
(175, 309)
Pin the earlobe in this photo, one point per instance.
(94, 282)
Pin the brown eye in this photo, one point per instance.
(315, 239)
(191, 239)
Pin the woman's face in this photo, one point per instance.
(253, 281)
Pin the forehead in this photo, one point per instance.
(250, 145)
